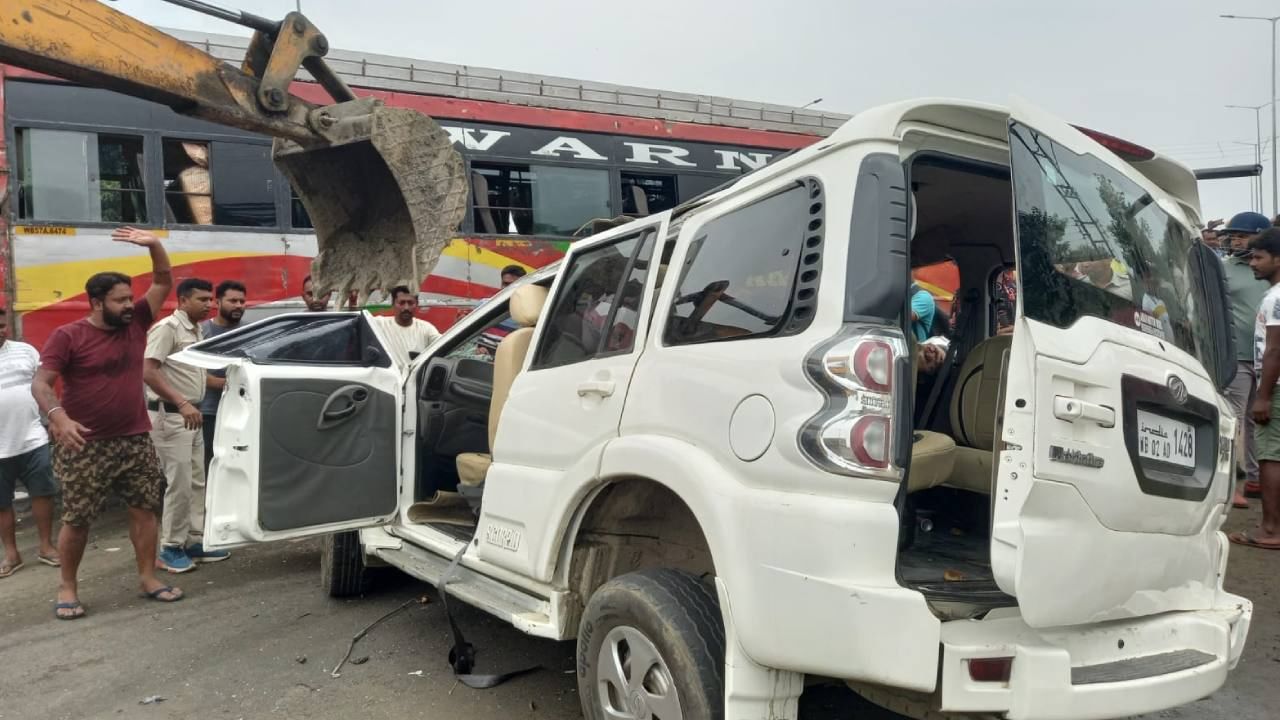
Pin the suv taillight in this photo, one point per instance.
(854, 434)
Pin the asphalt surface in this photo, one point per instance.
(255, 638)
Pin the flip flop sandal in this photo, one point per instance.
(68, 606)
(6, 569)
(1239, 502)
(51, 562)
(1245, 537)
(155, 595)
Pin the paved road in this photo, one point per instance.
(235, 648)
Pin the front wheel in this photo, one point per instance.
(342, 569)
(651, 647)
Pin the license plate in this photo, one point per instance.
(1166, 440)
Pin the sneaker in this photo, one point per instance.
(196, 552)
(175, 560)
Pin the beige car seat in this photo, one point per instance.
(933, 455)
(525, 306)
(974, 405)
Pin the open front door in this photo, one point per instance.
(1115, 460)
(308, 428)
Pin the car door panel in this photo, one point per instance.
(307, 435)
(309, 457)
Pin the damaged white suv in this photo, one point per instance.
(701, 445)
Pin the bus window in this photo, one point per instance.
(647, 194)
(298, 217)
(503, 197)
(565, 198)
(188, 190)
(691, 186)
(80, 177)
(218, 183)
(242, 185)
(537, 199)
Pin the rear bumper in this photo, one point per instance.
(1109, 670)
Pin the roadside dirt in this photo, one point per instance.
(256, 638)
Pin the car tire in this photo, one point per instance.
(669, 620)
(342, 569)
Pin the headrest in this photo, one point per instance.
(526, 304)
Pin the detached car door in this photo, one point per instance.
(307, 434)
(1115, 458)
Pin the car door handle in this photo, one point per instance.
(1072, 409)
(341, 405)
(603, 388)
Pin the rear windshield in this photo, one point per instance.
(1094, 243)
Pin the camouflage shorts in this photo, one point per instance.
(127, 466)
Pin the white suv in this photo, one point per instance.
(697, 444)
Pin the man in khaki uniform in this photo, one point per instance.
(174, 392)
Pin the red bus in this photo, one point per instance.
(544, 156)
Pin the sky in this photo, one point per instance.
(1156, 72)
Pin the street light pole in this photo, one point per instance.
(1275, 189)
(1257, 126)
(1255, 187)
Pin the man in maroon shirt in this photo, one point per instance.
(101, 425)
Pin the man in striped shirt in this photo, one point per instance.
(407, 335)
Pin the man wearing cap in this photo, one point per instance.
(1245, 293)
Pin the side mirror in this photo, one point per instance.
(1222, 339)
(374, 357)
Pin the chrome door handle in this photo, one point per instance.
(1071, 410)
(603, 388)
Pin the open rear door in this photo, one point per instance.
(308, 429)
(1115, 460)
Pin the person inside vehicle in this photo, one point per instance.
(923, 308)
(511, 273)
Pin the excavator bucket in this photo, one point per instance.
(385, 194)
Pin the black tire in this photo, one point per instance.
(680, 616)
(342, 569)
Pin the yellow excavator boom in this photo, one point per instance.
(384, 187)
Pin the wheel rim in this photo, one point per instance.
(633, 680)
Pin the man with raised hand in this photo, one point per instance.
(100, 424)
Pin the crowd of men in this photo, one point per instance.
(131, 420)
(1250, 247)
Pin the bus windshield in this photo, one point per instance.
(1093, 243)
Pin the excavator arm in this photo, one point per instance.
(383, 186)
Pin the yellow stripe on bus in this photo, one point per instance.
(40, 286)
(66, 231)
(462, 250)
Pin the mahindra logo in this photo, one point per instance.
(1060, 454)
(1177, 389)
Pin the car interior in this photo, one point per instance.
(462, 393)
(962, 215)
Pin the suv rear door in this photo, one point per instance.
(1114, 466)
(307, 429)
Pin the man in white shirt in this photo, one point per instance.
(24, 452)
(1265, 264)
(407, 335)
